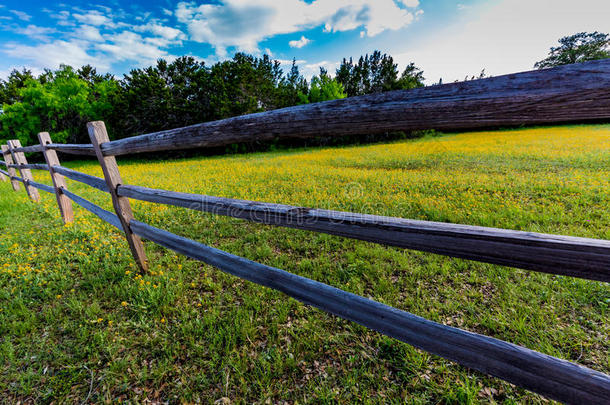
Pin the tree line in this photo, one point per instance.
(178, 93)
(186, 91)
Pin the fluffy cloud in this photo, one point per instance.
(21, 15)
(299, 43)
(54, 53)
(131, 46)
(36, 32)
(94, 18)
(244, 23)
(313, 69)
(89, 33)
(410, 3)
(163, 31)
(101, 38)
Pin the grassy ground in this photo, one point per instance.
(78, 323)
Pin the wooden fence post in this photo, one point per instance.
(26, 174)
(59, 181)
(8, 158)
(2, 176)
(98, 135)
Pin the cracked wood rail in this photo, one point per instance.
(579, 92)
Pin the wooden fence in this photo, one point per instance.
(565, 94)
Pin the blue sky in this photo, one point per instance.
(446, 38)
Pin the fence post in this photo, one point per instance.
(8, 159)
(2, 176)
(59, 181)
(26, 174)
(98, 135)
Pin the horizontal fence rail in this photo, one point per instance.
(101, 213)
(547, 375)
(40, 186)
(92, 181)
(73, 149)
(29, 149)
(575, 92)
(563, 255)
(34, 166)
(19, 179)
(567, 93)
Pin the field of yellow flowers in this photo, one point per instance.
(78, 323)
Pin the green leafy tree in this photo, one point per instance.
(323, 88)
(577, 48)
(9, 89)
(60, 103)
(292, 87)
(376, 73)
(411, 78)
(164, 96)
(176, 94)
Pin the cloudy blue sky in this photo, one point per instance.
(446, 38)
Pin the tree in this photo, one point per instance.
(376, 73)
(577, 48)
(292, 87)
(411, 78)
(167, 95)
(9, 90)
(59, 102)
(323, 88)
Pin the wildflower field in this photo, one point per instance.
(78, 323)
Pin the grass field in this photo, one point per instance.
(77, 321)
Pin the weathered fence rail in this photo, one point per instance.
(577, 92)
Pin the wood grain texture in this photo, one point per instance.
(92, 181)
(578, 92)
(26, 174)
(59, 182)
(42, 187)
(554, 254)
(98, 135)
(552, 377)
(73, 148)
(32, 166)
(8, 158)
(101, 213)
(3, 174)
(29, 149)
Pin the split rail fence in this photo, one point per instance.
(571, 93)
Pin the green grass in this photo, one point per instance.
(77, 322)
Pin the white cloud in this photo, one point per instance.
(131, 46)
(163, 31)
(93, 17)
(313, 69)
(299, 43)
(101, 38)
(63, 18)
(509, 36)
(53, 54)
(89, 33)
(36, 32)
(21, 15)
(244, 23)
(410, 3)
